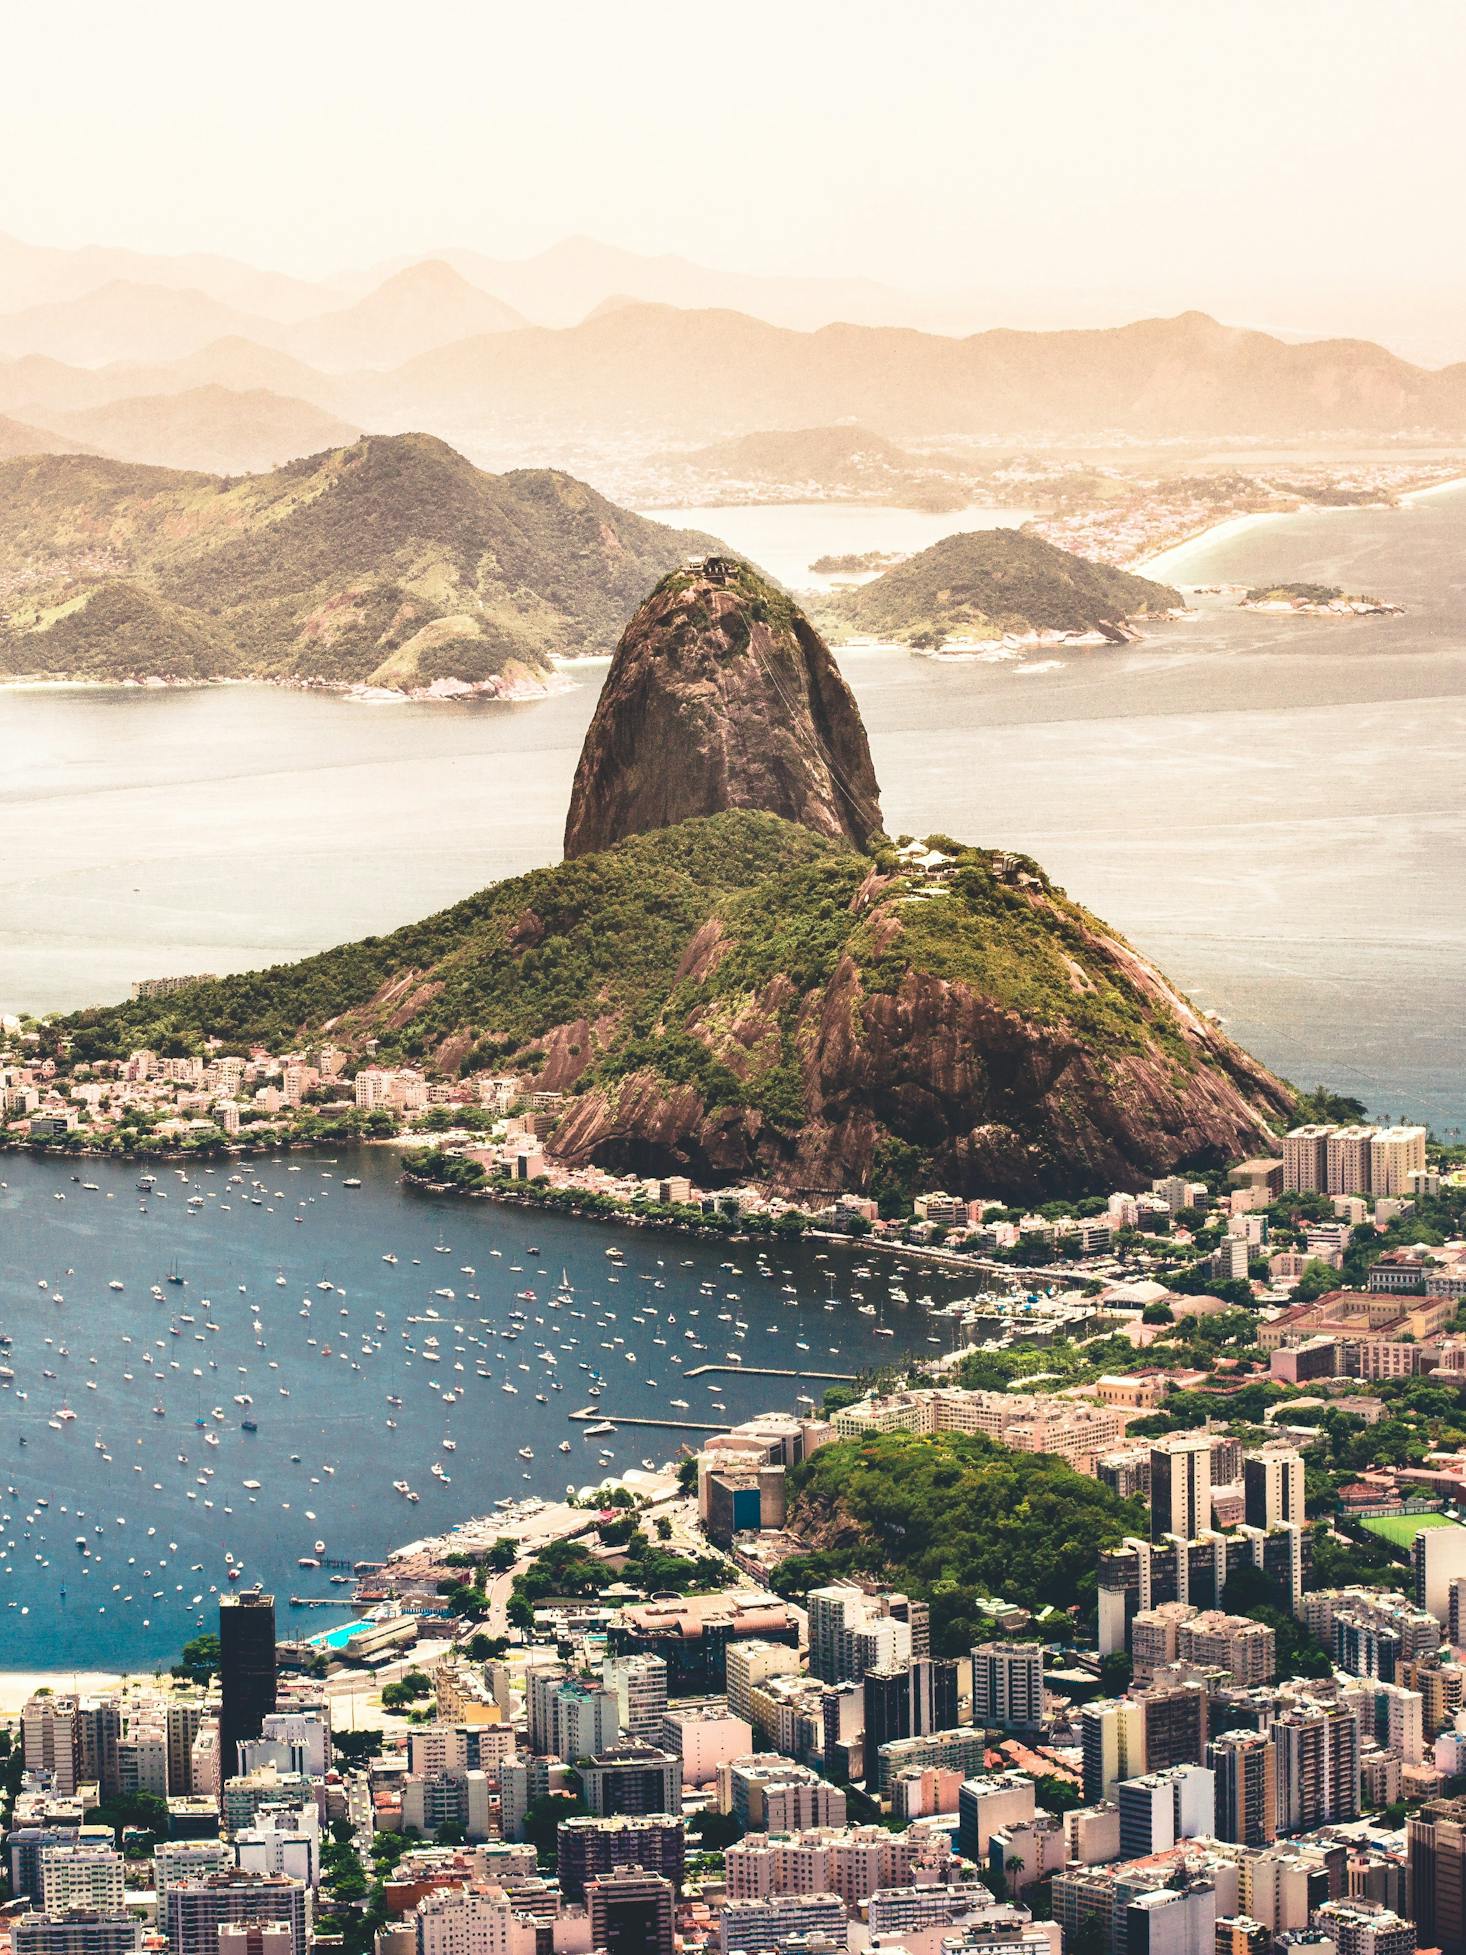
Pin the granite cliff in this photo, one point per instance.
(722, 695)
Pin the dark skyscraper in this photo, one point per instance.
(246, 1671)
(631, 1912)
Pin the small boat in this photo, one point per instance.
(351, 1181)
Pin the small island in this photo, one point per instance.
(858, 564)
(1316, 600)
(997, 588)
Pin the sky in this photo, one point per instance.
(1291, 163)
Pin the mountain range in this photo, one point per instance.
(585, 344)
(391, 562)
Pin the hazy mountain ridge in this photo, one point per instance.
(218, 430)
(393, 562)
(714, 375)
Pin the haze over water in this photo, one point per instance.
(1271, 807)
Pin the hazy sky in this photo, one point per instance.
(1293, 162)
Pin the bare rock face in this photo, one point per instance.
(722, 695)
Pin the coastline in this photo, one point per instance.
(17, 1685)
(448, 692)
(1158, 564)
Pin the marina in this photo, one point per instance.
(247, 1371)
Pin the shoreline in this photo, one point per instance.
(1156, 564)
(454, 693)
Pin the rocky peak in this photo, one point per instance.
(722, 695)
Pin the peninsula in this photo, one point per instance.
(392, 563)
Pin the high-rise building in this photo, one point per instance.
(631, 1913)
(50, 1739)
(246, 1670)
(1362, 1927)
(640, 1686)
(1176, 1723)
(192, 1913)
(852, 1630)
(1272, 1485)
(1008, 1685)
(1395, 1155)
(1317, 1749)
(1436, 1848)
(83, 1932)
(81, 1877)
(1180, 1486)
(1244, 1648)
(1437, 1557)
(632, 1779)
(1305, 1160)
(587, 1849)
(910, 1700)
(479, 1919)
(1160, 1808)
(1245, 1767)
(1112, 1738)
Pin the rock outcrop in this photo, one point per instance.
(722, 695)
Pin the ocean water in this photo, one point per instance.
(1271, 807)
(163, 1514)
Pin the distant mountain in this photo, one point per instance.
(700, 376)
(38, 274)
(985, 583)
(790, 463)
(216, 429)
(393, 561)
(47, 391)
(19, 438)
(124, 320)
(423, 307)
(558, 287)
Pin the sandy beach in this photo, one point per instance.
(17, 1685)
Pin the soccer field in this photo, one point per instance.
(1401, 1529)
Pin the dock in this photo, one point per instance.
(590, 1415)
(771, 1371)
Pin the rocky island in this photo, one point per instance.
(769, 988)
(1316, 601)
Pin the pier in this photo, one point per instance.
(770, 1371)
(590, 1415)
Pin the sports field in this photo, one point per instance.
(1401, 1529)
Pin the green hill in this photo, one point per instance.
(948, 1516)
(738, 998)
(989, 583)
(393, 562)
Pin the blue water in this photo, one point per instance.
(162, 1511)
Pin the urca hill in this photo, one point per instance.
(393, 562)
(780, 992)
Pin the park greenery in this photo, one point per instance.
(952, 1517)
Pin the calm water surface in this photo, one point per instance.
(161, 1509)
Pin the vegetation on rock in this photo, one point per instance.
(989, 583)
